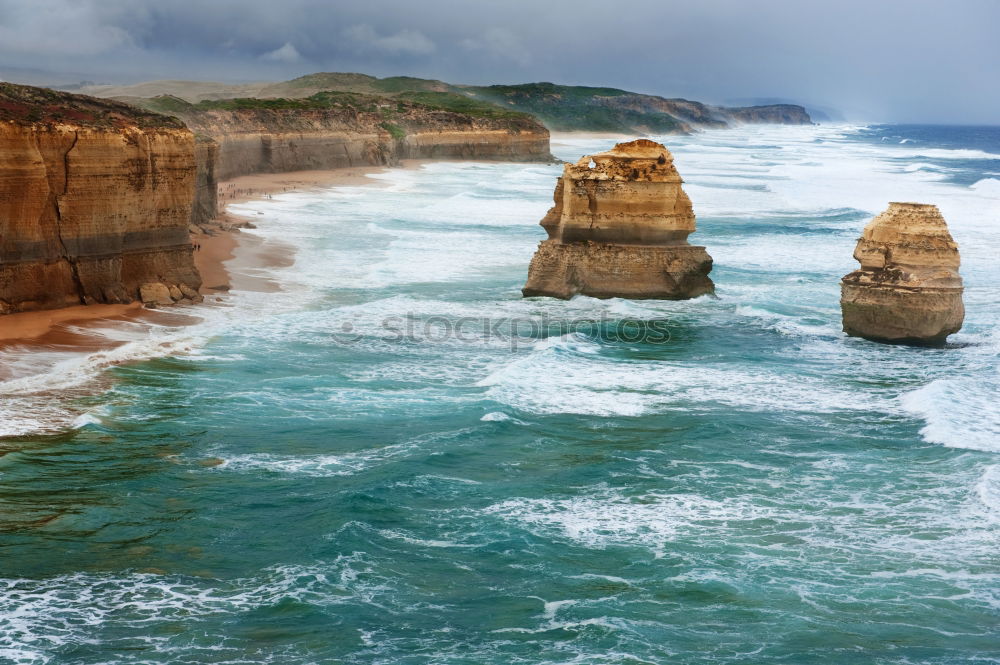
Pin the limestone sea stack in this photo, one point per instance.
(619, 228)
(908, 290)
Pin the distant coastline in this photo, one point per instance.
(326, 130)
(560, 108)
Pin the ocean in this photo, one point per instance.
(397, 459)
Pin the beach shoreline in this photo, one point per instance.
(225, 258)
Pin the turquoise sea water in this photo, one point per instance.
(418, 466)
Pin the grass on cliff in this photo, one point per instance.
(392, 110)
(394, 130)
(447, 101)
(29, 104)
(324, 100)
(571, 107)
(395, 84)
(564, 92)
(361, 83)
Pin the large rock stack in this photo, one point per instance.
(619, 228)
(908, 290)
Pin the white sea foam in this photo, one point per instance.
(946, 153)
(988, 491)
(607, 518)
(568, 375)
(44, 615)
(314, 465)
(988, 187)
(85, 419)
(344, 464)
(959, 413)
(922, 166)
(34, 399)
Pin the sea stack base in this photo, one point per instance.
(619, 229)
(603, 270)
(908, 290)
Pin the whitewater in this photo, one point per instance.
(395, 458)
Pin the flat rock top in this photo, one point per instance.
(637, 149)
(640, 160)
(911, 219)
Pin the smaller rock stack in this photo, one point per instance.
(619, 228)
(908, 290)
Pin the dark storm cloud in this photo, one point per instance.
(906, 60)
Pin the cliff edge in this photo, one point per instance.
(95, 198)
(335, 129)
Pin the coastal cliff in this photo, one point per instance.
(619, 229)
(774, 114)
(908, 290)
(95, 199)
(206, 193)
(564, 108)
(581, 108)
(331, 130)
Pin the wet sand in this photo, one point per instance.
(30, 325)
(225, 257)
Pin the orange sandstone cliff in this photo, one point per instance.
(95, 198)
(908, 289)
(619, 228)
(333, 130)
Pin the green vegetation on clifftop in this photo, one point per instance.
(569, 108)
(559, 107)
(446, 101)
(393, 112)
(28, 104)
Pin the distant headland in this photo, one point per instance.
(561, 108)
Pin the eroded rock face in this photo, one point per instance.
(619, 228)
(95, 198)
(247, 141)
(908, 290)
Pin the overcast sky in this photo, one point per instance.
(877, 60)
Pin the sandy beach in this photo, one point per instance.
(225, 257)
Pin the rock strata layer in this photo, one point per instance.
(619, 228)
(243, 141)
(908, 290)
(95, 198)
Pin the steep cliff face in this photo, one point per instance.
(333, 130)
(95, 198)
(274, 141)
(206, 193)
(908, 289)
(619, 228)
(775, 114)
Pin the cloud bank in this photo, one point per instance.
(903, 60)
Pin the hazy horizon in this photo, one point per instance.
(913, 62)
